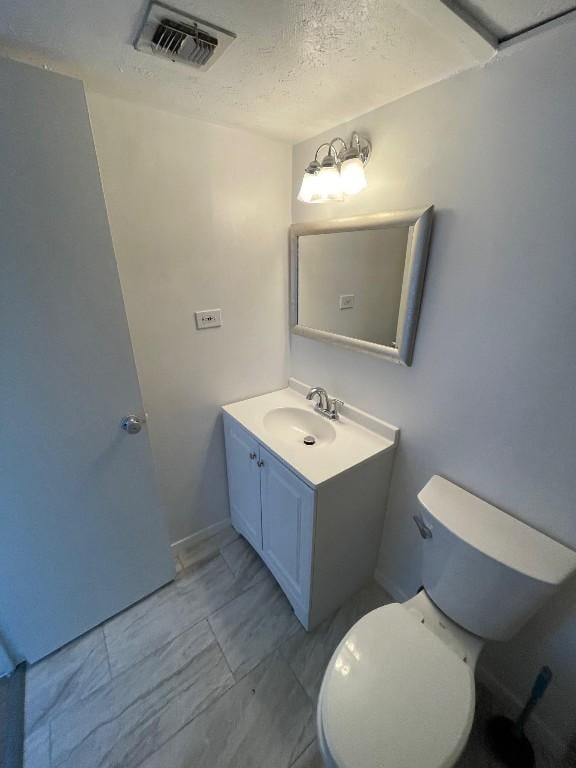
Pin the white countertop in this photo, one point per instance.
(359, 436)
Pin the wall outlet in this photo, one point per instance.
(208, 318)
(347, 301)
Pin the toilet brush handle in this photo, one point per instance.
(541, 683)
(538, 689)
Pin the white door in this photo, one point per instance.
(242, 462)
(82, 534)
(287, 527)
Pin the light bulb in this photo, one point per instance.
(353, 177)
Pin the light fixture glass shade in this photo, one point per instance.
(308, 188)
(330, 183)
(353, 176)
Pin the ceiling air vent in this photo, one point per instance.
(178, 36)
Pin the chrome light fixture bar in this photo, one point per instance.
(340, 173)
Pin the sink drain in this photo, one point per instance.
(309, 440)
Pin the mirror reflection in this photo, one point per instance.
(352, 282)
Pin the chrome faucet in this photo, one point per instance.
(326, 406)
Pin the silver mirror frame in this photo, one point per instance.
(421, 220)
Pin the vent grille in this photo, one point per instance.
(177, 36)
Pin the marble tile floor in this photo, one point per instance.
(212, 671)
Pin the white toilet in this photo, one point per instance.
(399, 689)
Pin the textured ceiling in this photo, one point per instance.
(297, 68)
(508, 17)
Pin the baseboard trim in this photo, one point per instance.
(204, 533)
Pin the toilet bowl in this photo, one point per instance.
(400, 686)
(399, 690)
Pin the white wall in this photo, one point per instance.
(369, 265)
(199, 216)
(490, 401)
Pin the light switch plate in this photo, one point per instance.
(208, 318)
(347, 301)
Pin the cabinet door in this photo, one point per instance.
(242, 455)
(287, 527)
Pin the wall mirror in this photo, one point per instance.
(358, 281)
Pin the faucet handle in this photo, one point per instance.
(335, 406)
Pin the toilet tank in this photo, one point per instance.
(484, 569)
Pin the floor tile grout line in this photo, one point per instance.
(312, 701)
(115, 675)
(192, 719)
(251, 583)
(187, 629)
(175, 637)
(277, 648)
(242, 590)
(220, 554)
(301, 753)
(227, 603)
(50, 747)
(309, 700)
(240, 594)
(206, 617)
(195, 566)
(200, 711)
(221, 649)
(97, 631)
(235, 575)
(207, 707)
(217, 550)
(155, 651)
(236, 679)
(107, 651)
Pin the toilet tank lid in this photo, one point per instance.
(496, 533)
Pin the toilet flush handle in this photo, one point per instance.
(425, 531)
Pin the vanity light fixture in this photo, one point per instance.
(340, 173)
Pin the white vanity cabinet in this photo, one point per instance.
(273, 509)
(287, 528)
(242, 457)
(319, 540)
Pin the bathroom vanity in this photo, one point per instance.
(313, 512)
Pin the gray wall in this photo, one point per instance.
(199, 215)
(490, 401)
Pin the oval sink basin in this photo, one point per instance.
(292, 425)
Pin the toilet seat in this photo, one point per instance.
(394, 695)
